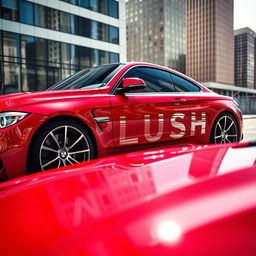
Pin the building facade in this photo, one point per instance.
(210, 41)
(156, 32)
(44, 41)
(245, 66)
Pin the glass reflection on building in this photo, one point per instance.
(32, 61)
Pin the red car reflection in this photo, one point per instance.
(108, 110)
(184, 201)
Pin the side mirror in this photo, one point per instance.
(131, 84)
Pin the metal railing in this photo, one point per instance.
(247, 104)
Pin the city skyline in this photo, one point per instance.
(244, 15)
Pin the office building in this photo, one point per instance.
(210, 41)
(156, 32)
(245, 66)
(44, 41)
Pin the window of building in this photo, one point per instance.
(74, 24)
(95, 57)
(74, 2)
(94, 30)
(104, 57)
(113, 35)
(11, 46)
(53, 75)
(74, 55)
(40, 16)
(85, 3)
(94, 5)
(28, 78)
(84, 27)
(11, 77)
(103, 6)
(65, 22)
(103, 32)
(28, 51)
(41, 51)
(85, 56)
(113, 57)
(26, 12)
(107, 7)
(11, 68)
(113, 9)
(10, 10)
(41, 78)
(54, 53)
(53, 19)
(65, 55)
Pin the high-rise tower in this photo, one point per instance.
(156, 32)
(210, 41)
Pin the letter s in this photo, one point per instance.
(178, 125)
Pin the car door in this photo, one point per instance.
(152, 116)
(200, 109)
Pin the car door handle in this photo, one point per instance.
(178, 101)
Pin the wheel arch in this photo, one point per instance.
(221, 113)
(56, 118)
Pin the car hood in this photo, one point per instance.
(16, 100)
(124, 204)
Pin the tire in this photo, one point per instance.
(224, 129)
(58, 144)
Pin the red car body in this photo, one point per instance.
(197, 200)
(134, 120)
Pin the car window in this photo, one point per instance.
(156, 80)
(183, 85)
(88, 78)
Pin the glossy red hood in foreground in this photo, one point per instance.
(183, 201)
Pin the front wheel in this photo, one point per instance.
(58, 144)
(224, 130)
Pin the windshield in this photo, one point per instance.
(88, 78)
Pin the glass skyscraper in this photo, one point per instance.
(245, 65)
(45, 41)
(156, 32)
(210, 41)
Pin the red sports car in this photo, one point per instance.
(107, 110)
(185, 201)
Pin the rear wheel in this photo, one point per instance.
(61, 143)
(224, 130)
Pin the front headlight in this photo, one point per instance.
(10, 118)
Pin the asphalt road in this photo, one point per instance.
(249, 127)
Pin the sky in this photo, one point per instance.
(245, 14)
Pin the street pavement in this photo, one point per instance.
(249, 127)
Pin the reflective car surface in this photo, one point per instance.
(108, 110)
(197, 200)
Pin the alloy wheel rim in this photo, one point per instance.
(62, 146)
(225, 130)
